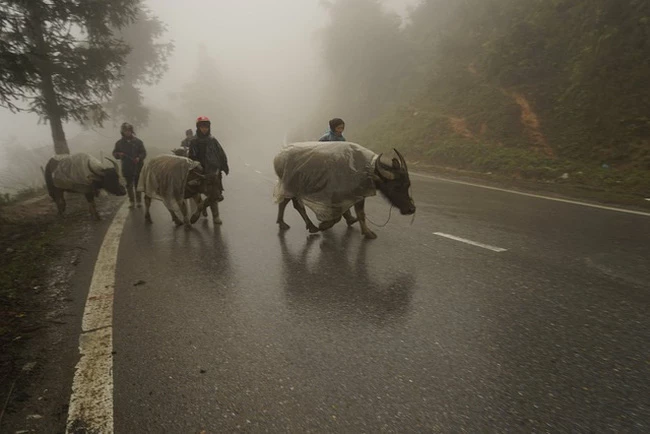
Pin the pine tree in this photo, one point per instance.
(62, 58)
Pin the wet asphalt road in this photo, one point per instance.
(240, 328)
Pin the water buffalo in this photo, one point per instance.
(81, 173)
(173, 179)
(181, 152)
(332, 177)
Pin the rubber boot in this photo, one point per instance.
(129, 191)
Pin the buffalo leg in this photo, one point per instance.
(183, 206)
(201, 208)
(349, 218)
(214, 207)
(199, 201)
(281, 206)
(147, 205)
(59, 200)
(175, 218)
(361, 215)
(175, 211)
(323, 226)
(90, 197)
(303, 213)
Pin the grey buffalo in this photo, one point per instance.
(330, 178)
(81, 173)
(181, 152)
(173, 179)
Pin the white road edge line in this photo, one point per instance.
(538, 196)
(473, 243)
(91, 402)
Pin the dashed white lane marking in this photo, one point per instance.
(538, 196)
(91, 402)
(473, 243)
(266, 178)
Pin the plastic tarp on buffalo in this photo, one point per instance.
(328, 177)
(164, 177)
(76, 172)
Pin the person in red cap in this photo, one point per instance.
(207, 150)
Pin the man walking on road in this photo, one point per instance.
(207, 150)
(131, 151)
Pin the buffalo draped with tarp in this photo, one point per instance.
(76, 172)
(328, 178)
(164, 178)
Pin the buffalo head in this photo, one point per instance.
(109, 179)
(209, 184)
(393, 183)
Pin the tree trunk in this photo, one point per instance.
(52, 107)
(53, 114)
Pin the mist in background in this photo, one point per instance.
(254, 67)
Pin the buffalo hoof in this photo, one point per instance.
(178, 222)
(312, 229)
(195, 218)
(284, 226)
(187, 226)
(323, 226)
(147, 218)
(370, 235)
(352, 221)
(217, 221)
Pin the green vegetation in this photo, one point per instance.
(532, 89)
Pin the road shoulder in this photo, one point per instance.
(47, 264)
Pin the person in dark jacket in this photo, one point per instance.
(335, 133)
(131, 151)
(207, 150)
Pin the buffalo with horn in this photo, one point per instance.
(330, 178)
(81, 173)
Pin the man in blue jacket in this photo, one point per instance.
(335, 134)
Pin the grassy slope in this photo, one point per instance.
(478, 127)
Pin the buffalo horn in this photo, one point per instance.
(382, 169)
(90, 167)
(401, 159)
